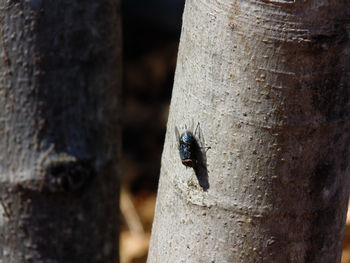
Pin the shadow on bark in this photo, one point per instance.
(201, 172)
(200, 169)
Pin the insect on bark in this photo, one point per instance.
(193, 153)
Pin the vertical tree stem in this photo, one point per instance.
(268, 82)
(60, 68)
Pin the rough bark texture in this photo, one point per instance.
(60, 68)
(268, 81)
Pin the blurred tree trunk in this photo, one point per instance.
(268, 81)
(60, 68)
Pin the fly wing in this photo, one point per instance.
(177, 136)
(199, 135)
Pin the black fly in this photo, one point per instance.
(192, 154)
(188, 148)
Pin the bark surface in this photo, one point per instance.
(268, 82)
(60, 68)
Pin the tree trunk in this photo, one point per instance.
(268, 83)
(60, 68)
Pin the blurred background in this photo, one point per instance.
(151, 31)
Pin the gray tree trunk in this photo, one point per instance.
(268, 81)
(60, 68)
